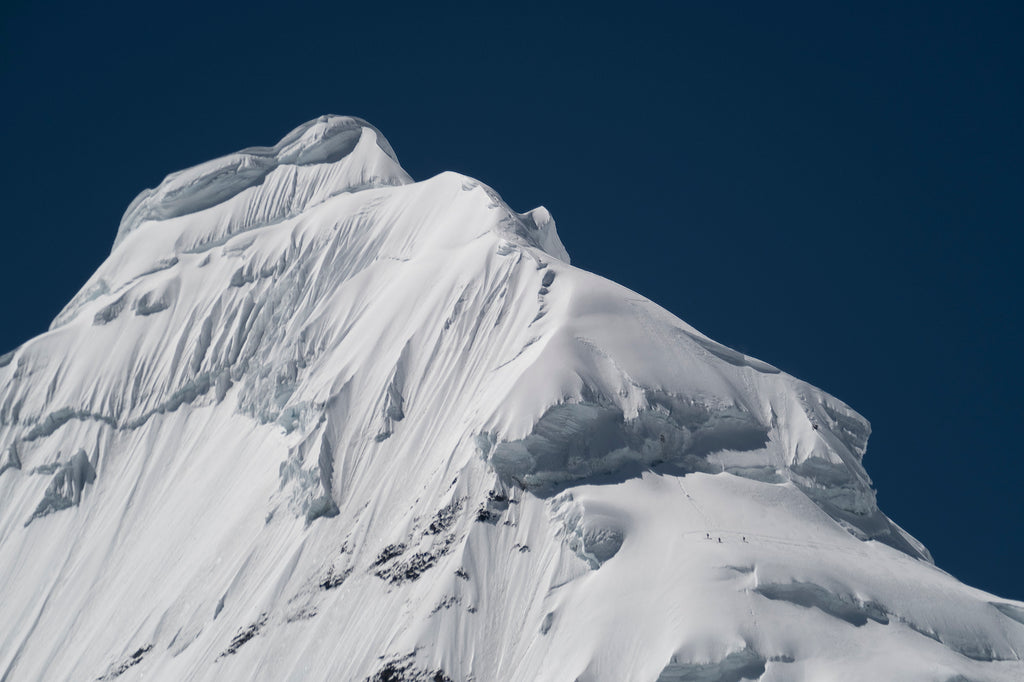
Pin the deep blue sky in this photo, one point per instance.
(835, 191)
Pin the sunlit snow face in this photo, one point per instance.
(312, 400)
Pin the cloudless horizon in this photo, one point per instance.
(836, 191)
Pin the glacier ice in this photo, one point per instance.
(65, 489)
(332, 423)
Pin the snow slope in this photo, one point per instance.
(313, 420)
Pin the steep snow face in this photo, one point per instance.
(387, 431)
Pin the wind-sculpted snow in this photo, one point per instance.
(579, 440)
(330, 423)
(844, 607)
(65, 490)
(744, 664)
(10, 459)
(303, 167)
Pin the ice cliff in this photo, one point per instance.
(387, 430)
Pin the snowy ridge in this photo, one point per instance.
(302, 169)
(386, 428)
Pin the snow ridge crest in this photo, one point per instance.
(320, 158)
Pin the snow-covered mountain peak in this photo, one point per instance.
(321, 158)
(326, 138)
(387, 429)
(318, 164)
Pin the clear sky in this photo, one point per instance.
(835, 191)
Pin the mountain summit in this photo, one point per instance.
(313, 420)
